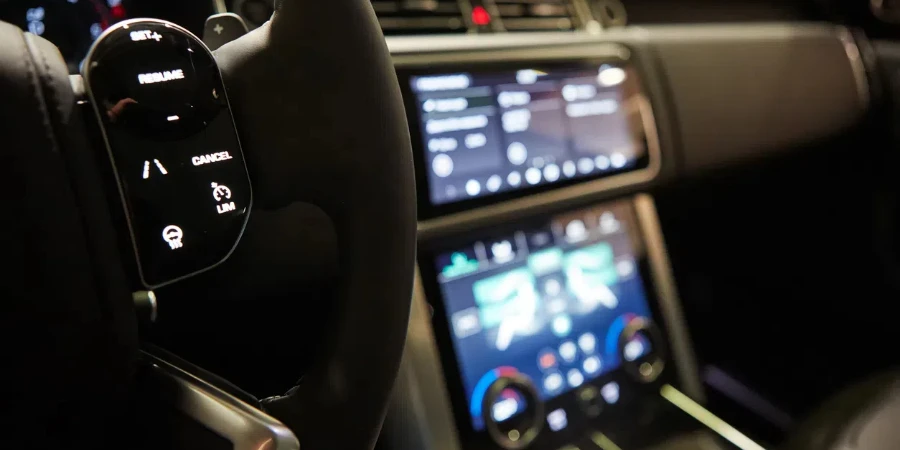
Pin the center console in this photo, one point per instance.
(545, 315)
(552, 326)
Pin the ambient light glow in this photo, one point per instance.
(697, 411)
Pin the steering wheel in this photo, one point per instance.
(321, 122)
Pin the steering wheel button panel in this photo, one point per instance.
(164, 114)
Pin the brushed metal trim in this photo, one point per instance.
(855, 58)
(407, 57)
(667, 295)
(245, 426)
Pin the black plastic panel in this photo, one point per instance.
(172, 141)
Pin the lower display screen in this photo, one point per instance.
(547, 301)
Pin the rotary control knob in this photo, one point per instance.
(513, 412)
(642, 350)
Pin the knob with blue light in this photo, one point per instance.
(512, 410)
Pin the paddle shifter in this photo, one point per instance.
(168, 127)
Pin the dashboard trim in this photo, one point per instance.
(667, 295)
(855, 58)
(247, 428)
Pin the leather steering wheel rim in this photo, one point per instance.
(332, 57)
(321, 121)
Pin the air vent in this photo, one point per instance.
(536, 15)
(419, 16)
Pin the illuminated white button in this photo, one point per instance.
(610, 76)
(553, 382)
(504, 409)
(442, 165)
(602, 162)
(562, 325)
(575, 378)
(557, 420)
(617, 160)
(493, 183)
(514, 179)
(585, 165)
(610, 392)
(568, 351)
(473, 187)
(220, 192)
(173, 234)
(634, 349)
(625, 268)
(587, 342)
(533, 176)
(527, 76)
(466, 322)
(96, 30)
(609, 223)
(210, 158)
(551, 172)
(517, 153)
(576, 231)
(475, 140)
(446, 144)
(146, 172)
(568, 169)
(552, 287)
(592, 365)
(557, 306)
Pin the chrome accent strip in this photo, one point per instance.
(245, 426)
(667, 295)
(704, 416)
(854, 57)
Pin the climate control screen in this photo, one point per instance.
(489, 132)
(548, 301)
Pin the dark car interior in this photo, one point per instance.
(450, 224)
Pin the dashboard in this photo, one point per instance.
(545, 314)
(71, 25)
(556, 322)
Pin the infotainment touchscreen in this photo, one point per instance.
(548, 300)
(488, 132)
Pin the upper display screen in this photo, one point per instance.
(548, 301)
(490, 132)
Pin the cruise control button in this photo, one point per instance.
(220, 194)
(164, 112)
(210, 158)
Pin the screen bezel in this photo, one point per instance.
(647, 165)
(578, 424)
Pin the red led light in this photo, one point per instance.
(480, 16)
(118, 12)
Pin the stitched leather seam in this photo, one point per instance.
(31, 62)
